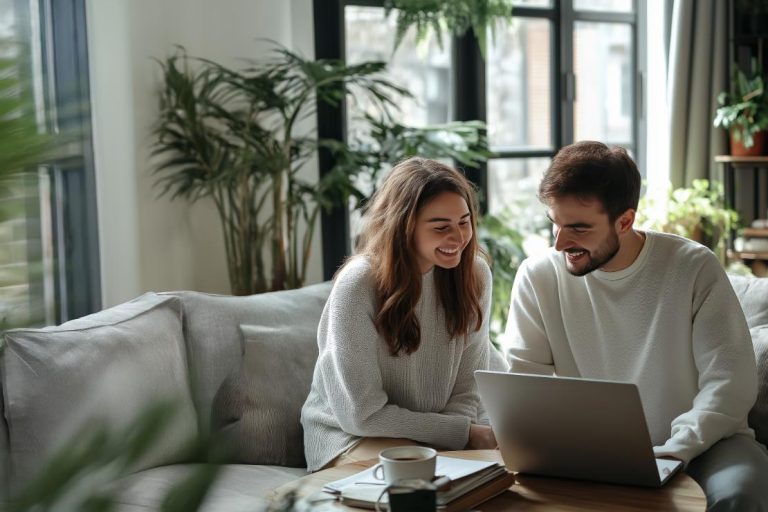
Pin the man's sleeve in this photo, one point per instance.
(525, 341)
(725, 360)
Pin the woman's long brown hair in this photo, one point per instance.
(388, 242)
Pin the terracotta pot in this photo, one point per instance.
(757, 149)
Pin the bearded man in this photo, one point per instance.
(609, 301)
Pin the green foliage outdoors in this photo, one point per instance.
(504, 245)
(22, 148)
(454, 16)
(233, 136)
(21, 144)
(744, 110)
(697, 212)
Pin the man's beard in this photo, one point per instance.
(601, 256)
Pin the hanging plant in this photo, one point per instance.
(455, 16)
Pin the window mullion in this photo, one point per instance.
(567, 92)
(469, 97)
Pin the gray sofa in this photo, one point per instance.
(238, 365)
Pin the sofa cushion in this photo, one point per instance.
(104, 368)
(239, 488)
(758, 416)
(212, 330)
(4, 453)
(753, 296)
(257, 410)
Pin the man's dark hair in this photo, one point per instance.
(591, 170)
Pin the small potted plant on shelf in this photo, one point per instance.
(744, 113)
(697, 212)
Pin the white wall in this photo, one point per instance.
(150, 243)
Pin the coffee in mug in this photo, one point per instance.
(406, 462)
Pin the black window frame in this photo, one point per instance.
(469, 96)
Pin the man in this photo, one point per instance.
(612, 302)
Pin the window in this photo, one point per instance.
(563, 70)
(49, 266)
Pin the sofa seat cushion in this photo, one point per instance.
(103, 369)
(238, 488)
(258, 408)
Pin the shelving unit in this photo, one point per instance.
(757, 261)
(746, 191)
(746, 178)
(746, 185)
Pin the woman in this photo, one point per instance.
(405, 326)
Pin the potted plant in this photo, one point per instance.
(697, 212)
(744, 112)
(455, 16)
(232, 135)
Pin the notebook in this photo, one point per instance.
(572, 428)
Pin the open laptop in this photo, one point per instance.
(572, 428)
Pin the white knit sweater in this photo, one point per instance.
(669, 323)
(360, 390)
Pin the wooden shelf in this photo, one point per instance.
(748, 255)
(741, 159)
(755, 232)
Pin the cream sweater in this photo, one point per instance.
(669, 323)
(360, 390)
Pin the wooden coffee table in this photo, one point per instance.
(539, 494)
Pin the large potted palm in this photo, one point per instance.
(233, 136)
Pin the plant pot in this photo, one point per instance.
(757, 149)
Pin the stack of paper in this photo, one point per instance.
(486, 478)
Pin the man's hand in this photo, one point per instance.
(481, 438)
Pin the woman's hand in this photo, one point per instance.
(481, 438)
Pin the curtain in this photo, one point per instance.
(696, 75)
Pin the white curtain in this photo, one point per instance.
(696, 75)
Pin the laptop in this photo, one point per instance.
(572, 428)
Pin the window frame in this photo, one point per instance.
(469, 98)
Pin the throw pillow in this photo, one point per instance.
(753, 296)
(758, 416)
(212, 330)
(258, 409)
(106, 367)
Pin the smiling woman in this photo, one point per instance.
(405, 326)
(443, 230)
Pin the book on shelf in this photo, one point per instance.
(471, 483)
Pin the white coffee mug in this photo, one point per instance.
(406, 462)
